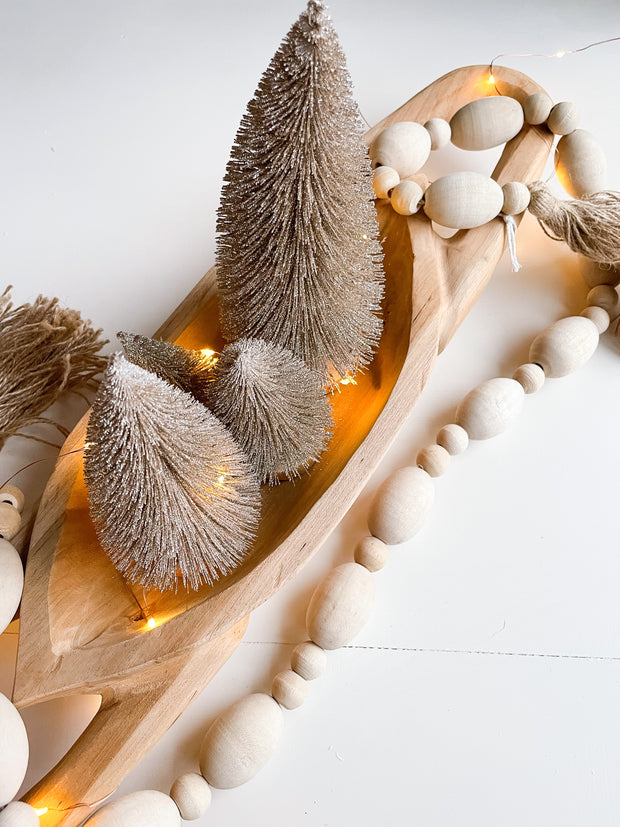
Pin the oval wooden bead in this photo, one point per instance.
(289, 689)
(371, 553)
(439, 131)
(605, 296)
(401, 505)
(406, 197)
(308, 660)
(241, 741)
(594, 273)
(486, 122)
(384, 179)
(10, 521)
(490, 408)
(192, 795)
(340, 606)
(597, 316)
(463, 200)
(516, 198)
(19, 814)
(13, 495)
(404, 146)
(565, 346)
(11, 583)
(434, 460)
(453, 438)
(13, 750)
(582, 166)
(536, 108)
(145, 808)
(563, 118)
(531, 377)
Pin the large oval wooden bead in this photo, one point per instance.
(11, 583)
(192, 795)
(10, 520)
(19, 814)
(404, 146)
(582, 166)
(565, 346)
(490, 408)
(340, 606)
(145, 808)
(463, 200)
(241, 741)
(486, 122)
(401, 505)
(13, 750)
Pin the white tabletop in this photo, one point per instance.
(484, 689)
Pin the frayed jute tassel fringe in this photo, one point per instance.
(589, 225)
(45, 349)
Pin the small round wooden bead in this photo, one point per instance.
(434, 459)
(490, 408)
(10, 521)
(371, 553)
(605, 296)
(192, 795)
(463, 200)
(536, 108)
(308, 660)
(401, 505)
(516, 198)
(289, 689)
(486, 122)
(531, 377)
(19, 814)
(597, 316)
(13, 750)
(440, 132)
(13, 495)
(565, 346)
(404, 146)
(11, 583)
(453, 438)
(139, 808)
(406, 197)
(340, 606)
(594, 273)
(384, 179)
(563, 118)
(582, 165)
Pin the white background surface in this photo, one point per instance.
(484, 690)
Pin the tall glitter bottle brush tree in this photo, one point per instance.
(298, 256)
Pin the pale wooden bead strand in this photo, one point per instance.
(597, 316)
(404, 146)
(192, 795)
(308, 660)
(289, 689)
(453, 438)
(434, 459)
(340, 606)
(565, 346)
(490, 408)
(401, 505)
(536, 108)
(371, 553)
(563, 118)
(530, 376)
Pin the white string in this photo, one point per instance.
(511, 233)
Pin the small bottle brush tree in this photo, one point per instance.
(170, 491)
(298, 256)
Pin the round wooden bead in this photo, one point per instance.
(582, 166)
(439, 131)
(241, 741)
(289, 689)
(536, 108)
(605, 296)
(463, 200)
(406, 197)
(13, 495)
(531, 377)
(563, 118)
(10, 521)
(565, 346)
(145, 808)
(453, 438)
(486, 122)
(11, 583)
(434, 459)
(384, 179)
(340, 606)
(19, 814)
(401, 505)
(490, 408)
(597, 316)
(308, 660)
(192, 795)
(371, 553)
(13, 750)
(404, 146)
(516, 198)
(594, 273)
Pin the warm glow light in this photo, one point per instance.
(559, 54)
(492, 79)
(88, 445)
(41, 811)
(364, 237)
(207, 352)
(220, 479)
(151, 623)
(348, 380)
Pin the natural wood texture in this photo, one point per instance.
(84, 630)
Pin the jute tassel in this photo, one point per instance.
(45, 349)
(589, 225)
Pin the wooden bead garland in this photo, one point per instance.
(486, 122)
(289, 689)
(536, 108)
(192, 795)
(340, 606)
(308, 660)
(401, 506)
(371, 553)
(563, 118)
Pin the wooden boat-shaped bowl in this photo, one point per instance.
(83, 630)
